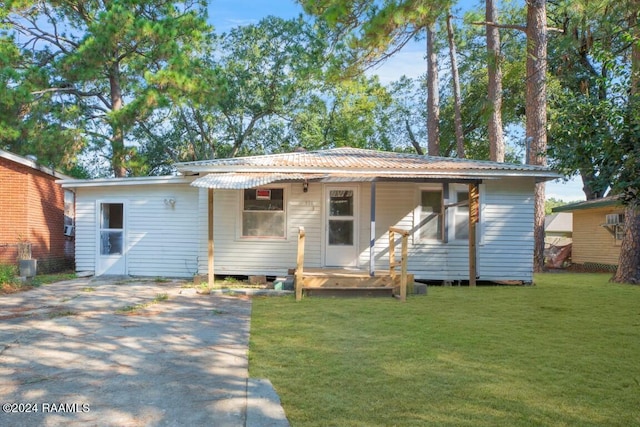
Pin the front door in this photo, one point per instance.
(342, 227)
(111, 242)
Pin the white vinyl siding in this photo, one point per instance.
(234, 255)
(165, 240)
(505, 232)
(506, 216)
(160, 239)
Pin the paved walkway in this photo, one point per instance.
(129, 352)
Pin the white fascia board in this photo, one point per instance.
(113, 182)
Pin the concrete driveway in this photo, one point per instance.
(129, 352)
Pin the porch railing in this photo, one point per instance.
(300, 263)
(403, 260)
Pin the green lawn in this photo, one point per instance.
(563, 352)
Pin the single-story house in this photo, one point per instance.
(32, 213)
(598, 227)
(241, 216)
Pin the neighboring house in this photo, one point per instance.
(345, 198)
(597, 231)
(558, 229)
(32, 210)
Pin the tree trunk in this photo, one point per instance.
(536, 113)
(629, 261)
(118, 155)
(494, 69)
(589, 185)
(433, 97)
(456, 91)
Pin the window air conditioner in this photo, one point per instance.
(615, 219)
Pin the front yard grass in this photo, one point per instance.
(565, 352)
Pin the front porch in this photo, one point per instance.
(351, 281)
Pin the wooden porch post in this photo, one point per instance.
(474, 215)
(372, 238)
(300, 263)
(211, 275)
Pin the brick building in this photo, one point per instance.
(32, 209)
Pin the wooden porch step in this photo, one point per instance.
(346, 291)
(333, 281)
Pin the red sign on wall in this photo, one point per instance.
(263, 194)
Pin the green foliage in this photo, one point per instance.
(131, 309)
(43, 279)
(592, 130)
(375, 30)
(551, 203)
(348, 113)
(8, 274)
(279, 84)
(96, 70)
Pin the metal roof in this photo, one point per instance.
(590, 204)
(355, 159)
(242, 181)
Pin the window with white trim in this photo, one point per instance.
(263, 213)
(442, 214)
(460, 215)
(429, 216)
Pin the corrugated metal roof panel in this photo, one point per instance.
(355, 158)
(241, 181)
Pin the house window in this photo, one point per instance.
(429, 224)
(461, 216)
(442, 215)
(263, 213)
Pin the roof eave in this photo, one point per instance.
(543, 175)
(113, 182)
(589, 204)
(32, 164)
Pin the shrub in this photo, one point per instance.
(8, 274)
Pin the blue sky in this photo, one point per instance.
(226, 14)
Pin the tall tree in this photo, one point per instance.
(494, 71)
(114, 61)
(433, 95)
(455, 81)
(261, 76)
(347, 113)
(377, 31)
(536, 113)
(629, 181)
(588, 61)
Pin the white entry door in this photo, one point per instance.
(342, 227)
(111, 242)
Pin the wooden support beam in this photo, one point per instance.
(300, 263)
(392, 254)
(403, 274)
(403, 262)
(474, 217)
(210, 270)
(372, 232)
